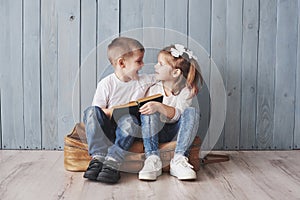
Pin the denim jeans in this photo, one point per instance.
(104, 138)
(183, 131)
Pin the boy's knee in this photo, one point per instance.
(128, 125)
(90, 112)
(128, 119)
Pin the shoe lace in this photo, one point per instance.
(151, 162)
(94, 163)
(184, 162)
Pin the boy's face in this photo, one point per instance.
(133, 64)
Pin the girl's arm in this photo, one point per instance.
(152, 107)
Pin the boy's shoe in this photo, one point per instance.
(152, 168)
(180, 168)
(109, 172)
(93, 169)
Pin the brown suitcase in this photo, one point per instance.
(76, 157)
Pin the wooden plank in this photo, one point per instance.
(68, 67)
(199, 42)
(88, 57)
(233, 73)
(199, 18)
(266, 75)
(107, 29)
(218, 49)
(0, 117)
(153, 32)
(131, 20)
(176, 22)
(11, 58)
(249, 74)
(31, 70)
(2, 22)
(286, 55)
(297, 103)
(49, 74)
(153, 17)
(2, 50)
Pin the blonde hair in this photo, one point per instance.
(190, 69)
(122, 47)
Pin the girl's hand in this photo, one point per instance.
(150, 108)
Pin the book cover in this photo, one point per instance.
(133, 107)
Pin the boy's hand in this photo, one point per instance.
(150, 108)
(108, 112)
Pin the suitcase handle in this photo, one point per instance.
(214, 158)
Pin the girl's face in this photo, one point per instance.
(163, 71)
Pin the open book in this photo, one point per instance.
(133, 107)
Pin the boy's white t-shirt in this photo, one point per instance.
(112, 92)
(180, 102)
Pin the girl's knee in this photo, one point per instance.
(152, 117)
(191, 112)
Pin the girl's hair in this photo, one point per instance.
(189, 67)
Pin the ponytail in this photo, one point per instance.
(186, 62)
(193, 77)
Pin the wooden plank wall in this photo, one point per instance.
(53, 53)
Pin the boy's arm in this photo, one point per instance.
(101, 95)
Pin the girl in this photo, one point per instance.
(177, 116)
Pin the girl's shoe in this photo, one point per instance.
(180, 168)
(152, 168)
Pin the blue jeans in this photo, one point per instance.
(183, 131)
(105, 138)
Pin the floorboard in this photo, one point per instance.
(248, 175)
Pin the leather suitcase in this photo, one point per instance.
(76, 157)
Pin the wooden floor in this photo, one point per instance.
(30, 175)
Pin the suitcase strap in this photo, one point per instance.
(214, 158)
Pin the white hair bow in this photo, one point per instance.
(179, 50)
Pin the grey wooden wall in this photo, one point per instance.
(50, 64)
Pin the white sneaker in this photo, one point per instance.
(152, 168)
(180, 168)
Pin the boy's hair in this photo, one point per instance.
(189, 68)
(122, 47)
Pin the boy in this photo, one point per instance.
(107, 143)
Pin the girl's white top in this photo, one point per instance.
(179, 102)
